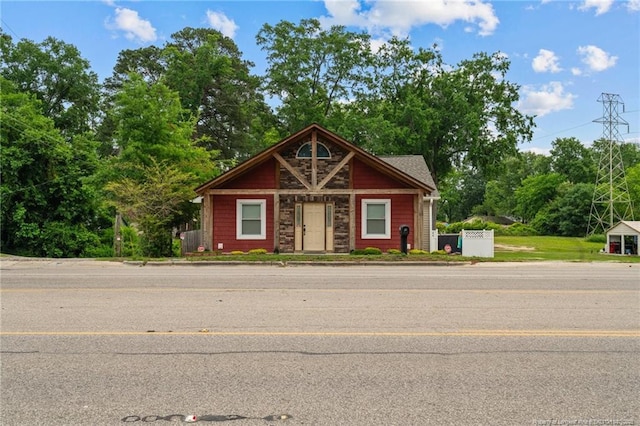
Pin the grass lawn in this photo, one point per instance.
(553, 248)
(506, 249)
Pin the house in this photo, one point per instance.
(316, 192)
(622, 238)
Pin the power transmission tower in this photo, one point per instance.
(611, 201)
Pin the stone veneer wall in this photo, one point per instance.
(287, 230)
(326, 165)
(288, 202)
(341, 224)
(340, 220)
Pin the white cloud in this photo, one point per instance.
(633, 6)
(546, 61)
(549, 98)
(219, 21)
(134, 27)
(596, 59)
(399, 17)
(601, 6)
(376, 44)
(345, 12)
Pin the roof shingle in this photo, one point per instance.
(414, 166)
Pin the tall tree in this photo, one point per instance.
(499, 197)
(153, 134)
(312, 70)
(573, 160)
(535, 193)
(214, 82)
(47, 207)
(568, 213)
(147, 62)
(633, 182)
(152, 127)
(449, 114)
(58, 76)
(461, 191)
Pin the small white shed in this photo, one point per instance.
(622, 238)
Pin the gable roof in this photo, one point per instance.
(376, 162)
(413, 165)
(632, 224)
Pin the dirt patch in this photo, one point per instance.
(506, 247)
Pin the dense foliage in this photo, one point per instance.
(75, 153)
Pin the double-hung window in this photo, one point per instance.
(251, 220)
(376, 218)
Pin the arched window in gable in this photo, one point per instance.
(321, 151)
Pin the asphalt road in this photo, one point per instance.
(94, 343)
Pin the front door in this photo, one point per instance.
(313, 227)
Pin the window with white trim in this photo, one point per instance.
(251, 221)
(376, 218)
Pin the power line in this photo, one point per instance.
(561, 131)
(9, 28)
(579, 126)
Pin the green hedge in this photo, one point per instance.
(367, 251)
(515, 229)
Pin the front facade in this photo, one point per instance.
(316, 192)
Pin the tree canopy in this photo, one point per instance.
(59, 77)
(48, 209)
(170, 117)
(397, 100)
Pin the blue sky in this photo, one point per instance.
(563, 54)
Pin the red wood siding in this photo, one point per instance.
(262, 176)
(366, 177)
(401, 214)
(224, 224)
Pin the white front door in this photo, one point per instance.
(313, 227)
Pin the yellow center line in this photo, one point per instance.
(458, 333)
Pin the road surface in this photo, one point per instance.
(108, 344)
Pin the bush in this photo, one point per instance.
(258, 251)
(99, 251)
(394, 251)
(176, 248)
(237, 252)
(418, 251)
(517, 230)
(441, 227)
(455, 228)
(130, 241)
(367, 251)
(597, 238)
(62, 240)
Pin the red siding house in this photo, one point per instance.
(316, 192)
